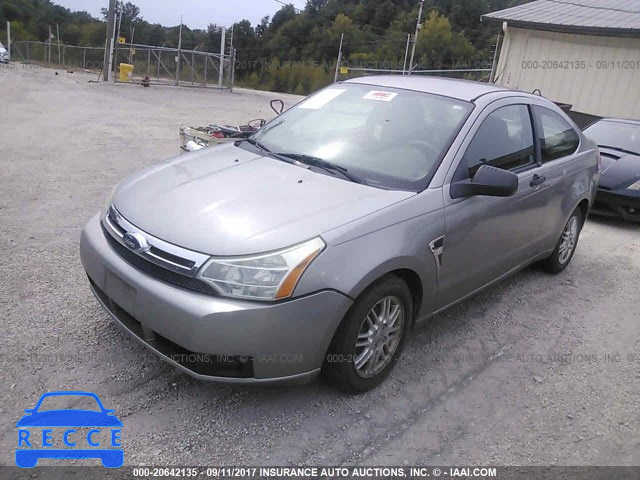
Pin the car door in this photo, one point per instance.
(487, 237)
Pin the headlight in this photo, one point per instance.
(271, 276)
(634, 186)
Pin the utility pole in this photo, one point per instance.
(179, 52)
(108, 46)
(335, 78)
(415, 37)
(113, 67)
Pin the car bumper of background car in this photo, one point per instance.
(213, 338)
(618, 203)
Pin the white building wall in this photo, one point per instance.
(598, 75)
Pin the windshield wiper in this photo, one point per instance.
(618, 149)
(264, 149)
(322, 164)
(255, 143)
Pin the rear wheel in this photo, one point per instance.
(566, 246)
(368, 343)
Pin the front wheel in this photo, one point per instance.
(566, 246)
(368, 343)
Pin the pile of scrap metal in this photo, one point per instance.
(196, 138)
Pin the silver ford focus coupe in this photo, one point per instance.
(318, 243)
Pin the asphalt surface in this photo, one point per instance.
(538, 370)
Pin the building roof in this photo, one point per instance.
(450, 87)
(594, 17)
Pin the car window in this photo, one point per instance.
(557, 138)
(504, 140)
(391, 138)
(615, 134)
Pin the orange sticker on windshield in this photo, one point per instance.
(380, 96)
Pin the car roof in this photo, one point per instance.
(466, 90)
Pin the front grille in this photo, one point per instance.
(208, 364)
(156, 271)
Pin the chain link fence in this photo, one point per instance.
(163, 65)
(51, 54)
(151, 64)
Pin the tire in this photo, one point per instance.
(360, 358)
(566, 246)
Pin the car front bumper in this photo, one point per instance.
(213, 338)
(617, 204)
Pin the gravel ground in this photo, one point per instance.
(517, 375)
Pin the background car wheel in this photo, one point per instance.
(566, 246)
(370, 338)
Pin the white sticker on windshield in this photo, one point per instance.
(381, 96)
(320, 99)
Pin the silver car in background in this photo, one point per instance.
(4, 54)
(318, 243)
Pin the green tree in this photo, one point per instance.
(439, 47)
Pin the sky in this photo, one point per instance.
(196, 13)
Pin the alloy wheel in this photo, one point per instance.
(379, 337)
(568, 240)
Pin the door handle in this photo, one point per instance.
(537, 180)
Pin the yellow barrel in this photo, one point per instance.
(126, 70)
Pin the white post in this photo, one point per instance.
(113, 40)
(9, 38)
(233, 70)
(335, 78)
(406, 55)
(179, 52)
(222, 45)
(133, 33)
(58, 38)
(415, 38)
(50, 36)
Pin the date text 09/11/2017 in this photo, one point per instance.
(580, 65)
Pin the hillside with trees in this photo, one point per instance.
(295, 50)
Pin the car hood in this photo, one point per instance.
(228, 201)
(621, 172)
(69, 418)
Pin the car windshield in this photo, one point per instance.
(384, 137)
(69, 402)
(625, 136)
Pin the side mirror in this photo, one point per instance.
(489, 181)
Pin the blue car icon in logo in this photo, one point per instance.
(36, 432)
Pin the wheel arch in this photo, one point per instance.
(584, 209)
(409, 275)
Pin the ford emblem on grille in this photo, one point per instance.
(136, 242)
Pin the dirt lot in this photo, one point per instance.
(517, 375)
